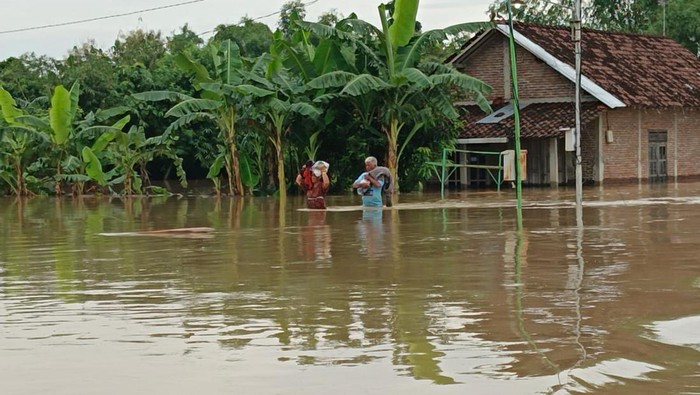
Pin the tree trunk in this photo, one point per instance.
(57, 185)
(20, 178)
(280, 166)
(392, 159)
(127, 184)
(234, 170)
(238, 184)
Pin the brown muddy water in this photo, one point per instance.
(430, 297)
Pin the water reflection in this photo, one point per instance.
(371, 235)
(380, 301)
(315, 238)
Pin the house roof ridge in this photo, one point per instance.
(593, 30)
(563, 68)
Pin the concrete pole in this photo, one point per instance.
(577, 132)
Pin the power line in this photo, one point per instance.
(99, 18)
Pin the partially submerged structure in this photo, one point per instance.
(640, 110)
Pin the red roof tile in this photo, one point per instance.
(648, 71)
(537, 120)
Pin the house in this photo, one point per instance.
(640, 105)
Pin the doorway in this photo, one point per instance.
(658, 140)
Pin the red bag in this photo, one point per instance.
(306, 173)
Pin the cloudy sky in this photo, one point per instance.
(201, 16)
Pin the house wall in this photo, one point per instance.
(627, 157)
(589, 151)
(486, 64)
(536, 80)
(688, 124)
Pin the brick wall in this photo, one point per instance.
(628, 155)
(536, 80)
(589, 151)
(486, 64)
(688, 123)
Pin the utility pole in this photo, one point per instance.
(576, 25)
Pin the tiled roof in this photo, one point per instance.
(648, 71)
(537, 120)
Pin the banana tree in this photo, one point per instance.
(15, 144)
(280, 97)
(279, 114)
(215, 104)
(13, 160)
(58, 127)
(391, 85)
(307, 58)
(63, 132)
(128, 153)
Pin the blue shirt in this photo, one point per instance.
(372, 196)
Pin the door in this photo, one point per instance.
(657, 155)
(477, 177)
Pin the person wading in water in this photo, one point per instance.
(313, 180)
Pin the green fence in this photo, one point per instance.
(447, 169)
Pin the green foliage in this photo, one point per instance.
(8, 106)
(682, 23)
(14, 160)
(330, 17)
(333, 91)
(632, 16)
(290, 13)
(97, 73)
(249, 176)
(29, 76)
(139, 47)
(60, 115)
(215, 170)
(93, 166)
(404, 18)
(184, 41)
(219, 102)
(253, 38)
(393, 77)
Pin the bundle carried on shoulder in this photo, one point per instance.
(320, 167)
(388, 188)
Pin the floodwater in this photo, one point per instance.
(430, 297)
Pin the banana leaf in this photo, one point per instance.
(8, 106)
(74, 97)
(248, 177)
(60, 115)
(93, 166)
(191, 106)
(215, 168)
(103, 115)
(188, 65)
(161, 95)
(401, 31)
